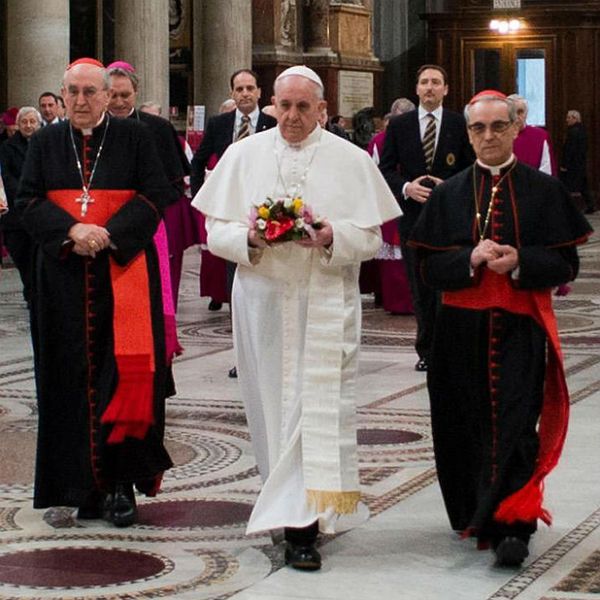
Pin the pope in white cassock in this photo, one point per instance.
(296, 308)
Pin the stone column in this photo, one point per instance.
(37, 48)
(142, 39)
(226, 47)
(197, 37)
(317, 30)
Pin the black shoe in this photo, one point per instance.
(214, 305)
(93, 507)
(123, 510)
(232, 373)
(421, 365)
(303, 558)
(590, 210)
(511, 552)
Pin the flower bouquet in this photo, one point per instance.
(284, 220)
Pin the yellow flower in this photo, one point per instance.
(297, 204)
(264, 212)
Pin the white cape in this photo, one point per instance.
(296, 317)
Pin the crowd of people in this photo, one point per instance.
(460, 216)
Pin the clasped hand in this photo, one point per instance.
(500, 258)
(89, 239)
(323, 238)
(419, 192)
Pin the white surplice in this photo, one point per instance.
(297, 314)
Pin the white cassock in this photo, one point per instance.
(297, 316)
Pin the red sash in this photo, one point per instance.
(131, 407)
(495, 291)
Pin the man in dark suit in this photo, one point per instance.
(221, 131)
(123, 96)
(422, 148)
(573, 165)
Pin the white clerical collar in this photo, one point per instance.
(496, 169)
(89, 130)
(437, 113)
(312, 138)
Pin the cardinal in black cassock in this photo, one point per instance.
(91, 196)
(495, 239)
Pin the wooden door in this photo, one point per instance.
(524, 66)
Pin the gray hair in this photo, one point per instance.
(517, 98)
(151, 104)
(401, 106)
(227, 105)
(105, 78)
(575, 114)
(512, 109)
(25, 110)
(119, 72)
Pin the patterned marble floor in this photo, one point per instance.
(190, 542)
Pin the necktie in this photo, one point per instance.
(429, 142)
(244, 130)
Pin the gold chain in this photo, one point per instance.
(495, 190)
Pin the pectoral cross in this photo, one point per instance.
(84, 200)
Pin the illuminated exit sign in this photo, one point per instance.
(507, 4)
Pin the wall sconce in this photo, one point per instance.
(504, 26)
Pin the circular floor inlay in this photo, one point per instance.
(192, 513)
(371, 437)
(78, 567)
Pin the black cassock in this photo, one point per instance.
(489, 365)
(73, 306)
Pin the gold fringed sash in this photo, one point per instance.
(343, 503)
(329, 454)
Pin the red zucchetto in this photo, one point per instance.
(480, 95)
(85, 61)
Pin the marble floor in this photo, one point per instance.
(190, 544)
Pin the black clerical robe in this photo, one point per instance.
(97, 323)
(499, 403)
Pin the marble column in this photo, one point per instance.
(37, 48)
(197, 50)
(142, 39)
(317, 39)
(226, 47)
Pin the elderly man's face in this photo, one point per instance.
(85, 96)
(298, 107)
(28, 124)
(490, 132)
(48, 108)
(122, 96)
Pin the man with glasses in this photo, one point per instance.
(422, 148)
(92, 194)
(494, 240)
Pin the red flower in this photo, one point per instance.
(276, 229)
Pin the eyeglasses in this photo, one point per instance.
(496, 127)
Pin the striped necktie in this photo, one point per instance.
(244, 130)
(429, 142)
